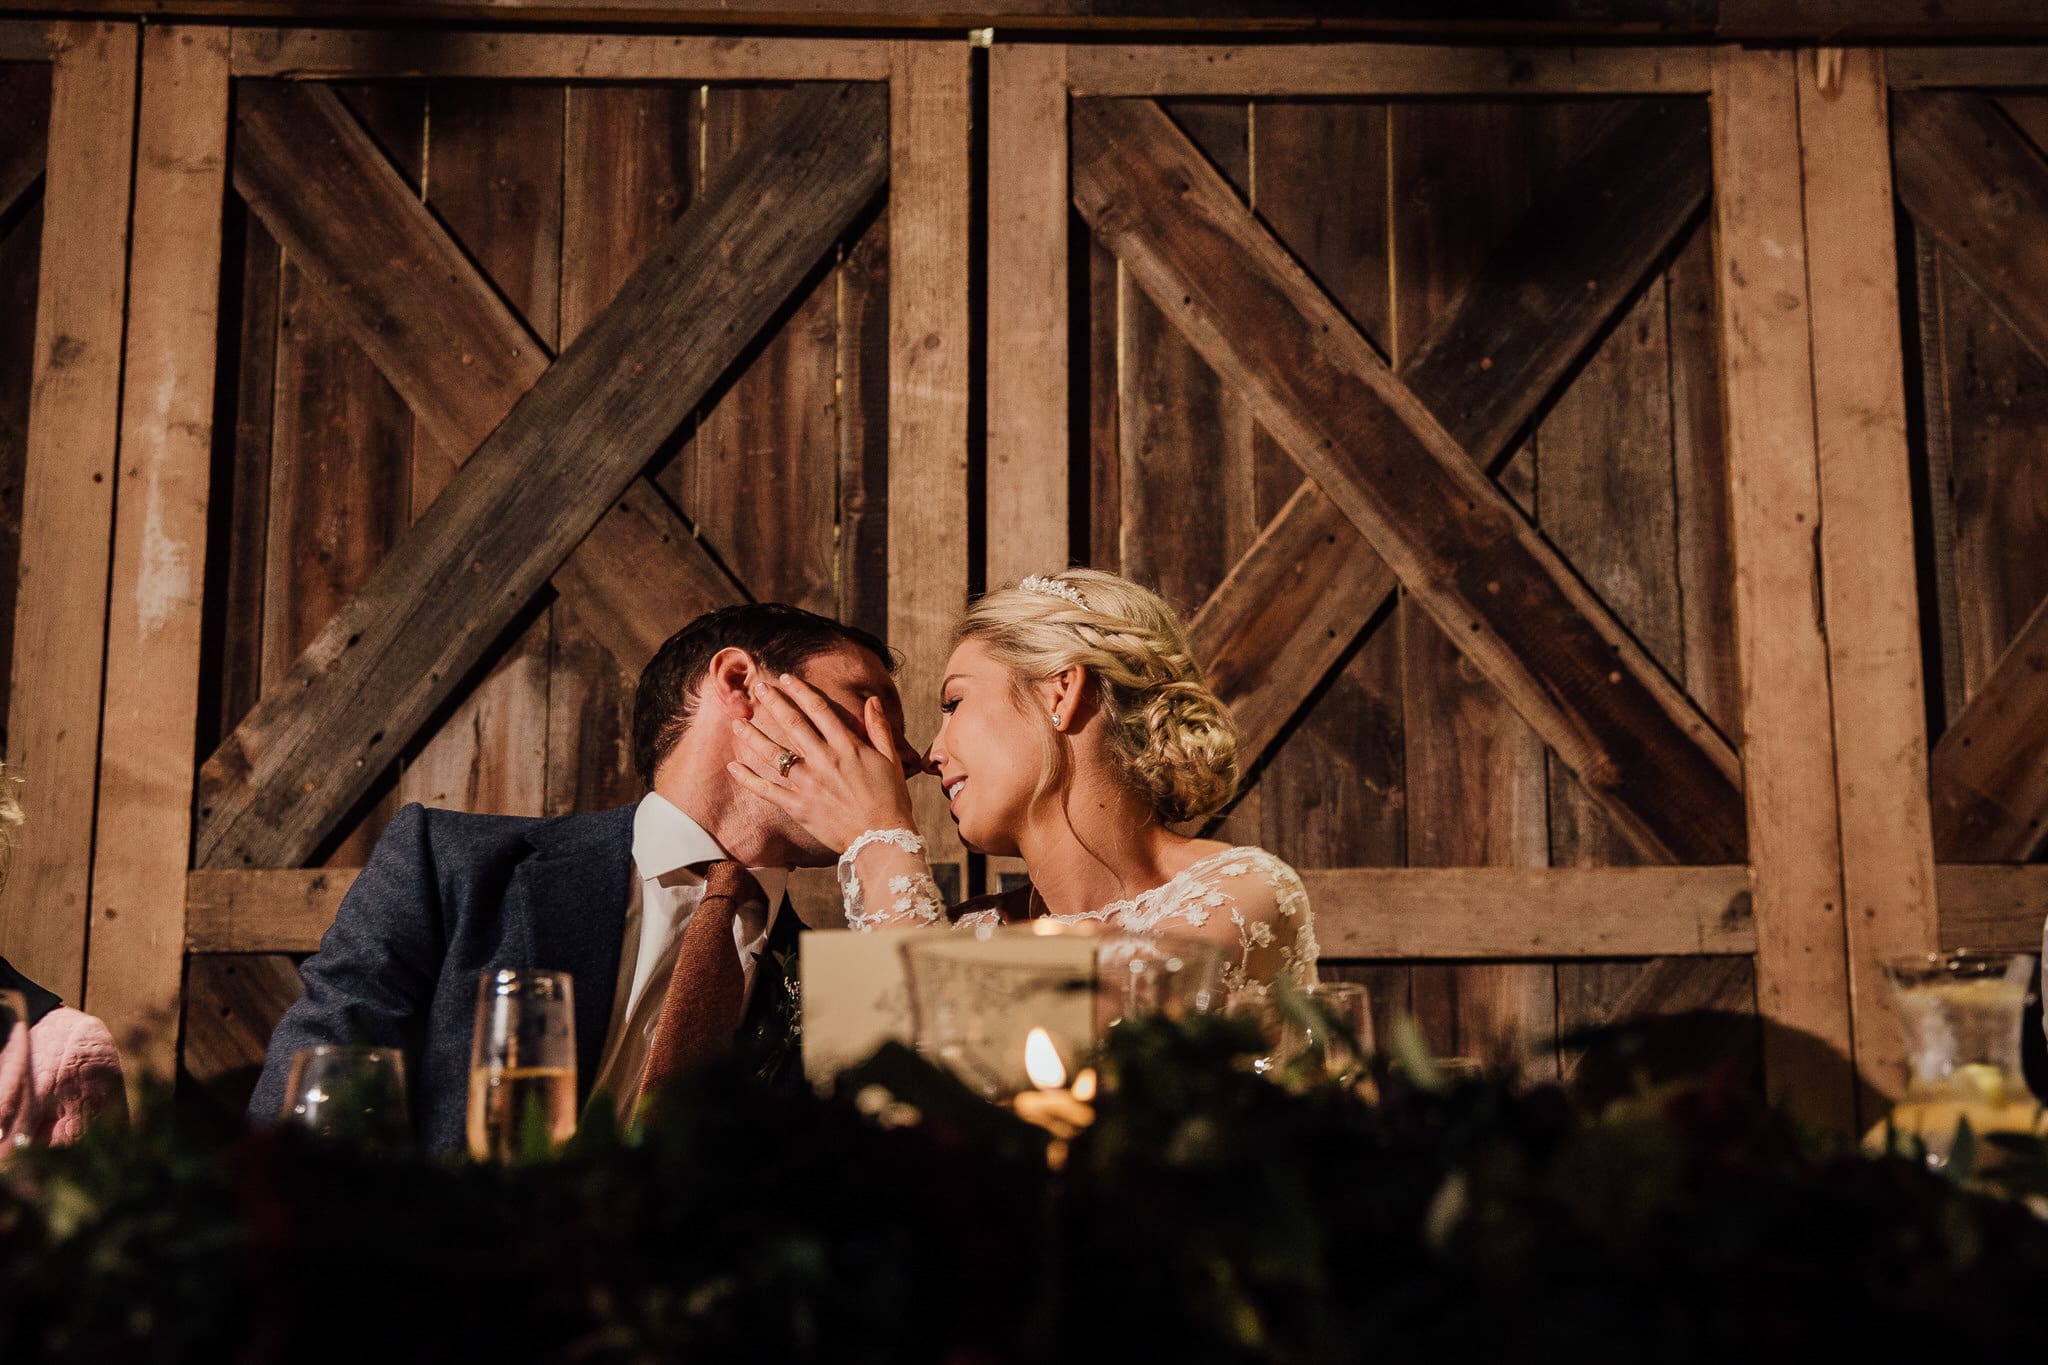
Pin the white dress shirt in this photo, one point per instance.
(670, 851)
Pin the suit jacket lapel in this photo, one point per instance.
(571, 897)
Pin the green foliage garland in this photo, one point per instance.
(1208, 1215)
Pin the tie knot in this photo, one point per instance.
(726, 878)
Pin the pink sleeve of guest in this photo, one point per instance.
(77, 1075)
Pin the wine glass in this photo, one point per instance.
(522, 1070)
(18, 1111)
(349, 1094)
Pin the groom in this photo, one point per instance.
(611, 897)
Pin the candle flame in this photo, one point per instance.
(1042, 1061)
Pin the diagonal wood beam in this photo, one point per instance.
(1990, 768)
(1295, 603)
(570, 447)
(449, 344)
(1974, 184)
(1457, 543)
(24, 130)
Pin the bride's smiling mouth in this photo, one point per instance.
(952, 788)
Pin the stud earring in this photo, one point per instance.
(1055, 720)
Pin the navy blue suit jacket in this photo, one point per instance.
(444, 897)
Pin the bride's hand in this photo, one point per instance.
(843, 784)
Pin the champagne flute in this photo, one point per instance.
(17, 1075)
(350, 1094)
(522, 1071)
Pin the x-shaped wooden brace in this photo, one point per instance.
(1973, 184)
(1392, 491)
(555, 445)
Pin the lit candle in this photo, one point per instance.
(1052, 1106)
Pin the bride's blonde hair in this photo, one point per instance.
(1173, 738)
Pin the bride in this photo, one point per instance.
(1077, 732)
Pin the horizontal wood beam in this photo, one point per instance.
(1974, 184)
(344, 54)
(1459, 545)
(450, 346)
(1990, 768)
(569, 449)
(1373, 70)
(1819, 21)
(1983, 68)
(1296, 601)
(1453, 913)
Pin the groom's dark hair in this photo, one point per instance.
(781, 639)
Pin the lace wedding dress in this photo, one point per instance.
(1247, 887)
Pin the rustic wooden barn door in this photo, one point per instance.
(67, 119)
(1406, 370)
(529, 350)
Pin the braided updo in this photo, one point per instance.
(1173, 738)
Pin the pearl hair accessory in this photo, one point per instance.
(1052, 587)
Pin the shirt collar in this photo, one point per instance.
(666, 840)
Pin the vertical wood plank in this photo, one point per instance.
(930, 110)
(1334, 794)
(341, 458)
(496, 158)
(1788, 722)
(1866, 547)
(20, 252)
(629, 171)
(67, 501)
(760, 477)
(1607, 500)
(143, 849)
(248, 491)
(1028, 444)
(1460, 175)
(864, 429)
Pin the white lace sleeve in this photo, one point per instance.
(893, 858)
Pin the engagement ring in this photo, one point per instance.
(787, 761)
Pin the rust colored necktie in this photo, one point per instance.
(706, 991)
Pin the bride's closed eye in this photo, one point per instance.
(949, 705)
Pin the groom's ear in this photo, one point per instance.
(728, 690)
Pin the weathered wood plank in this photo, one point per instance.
(1445, 914)
(514, 511)
(1319, 387)
(1992, 906)
(418, 306)
(1788, 721)
(327, 54)
(1383, 69)
(1028, 444)
(232, 1005)
(20, 253)
(1920, 68)
(1870, 591)
(1298, 599)
(864, 429)
(248, 484)
(28, 40)
(930, 106)
(759, 477)
(1975, 185)
(24, 131)
(1990, 768)
(496, 153)
(629, 172)
(53, 712)
(144, 825)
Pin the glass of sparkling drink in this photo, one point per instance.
(522, 1070)
(1962, 1017)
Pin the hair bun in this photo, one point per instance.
(1188, 760)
